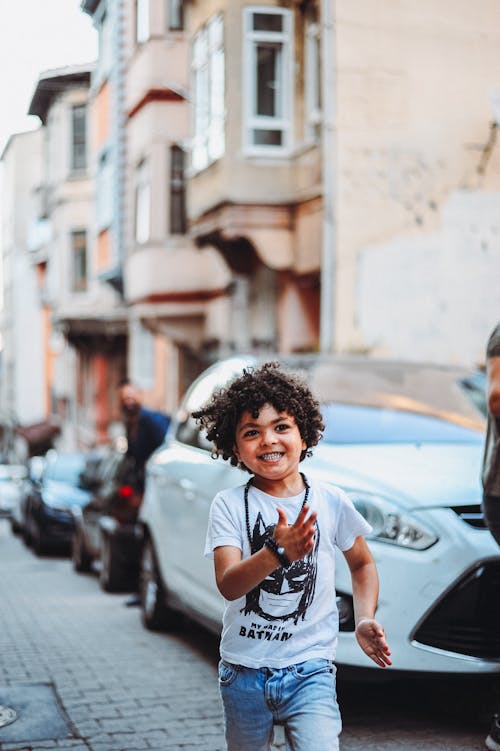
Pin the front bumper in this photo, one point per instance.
(439, 606)
(466, 620)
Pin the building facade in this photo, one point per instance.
(85, 320)
(224, 190)
(24, 394)
(417, 168)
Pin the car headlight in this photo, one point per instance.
(390, 524)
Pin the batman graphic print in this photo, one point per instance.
(286, 593)
(291, 615)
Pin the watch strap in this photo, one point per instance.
(278, 552)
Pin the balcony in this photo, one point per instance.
(180, 273)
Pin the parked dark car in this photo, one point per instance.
(48, 522)
(106, 530)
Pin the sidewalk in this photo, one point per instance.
(118, 687)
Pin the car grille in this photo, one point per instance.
(466, 619)
(472, 515)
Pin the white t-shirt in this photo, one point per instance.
(292, 615)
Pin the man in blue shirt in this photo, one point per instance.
(145, 432)
(145, 429)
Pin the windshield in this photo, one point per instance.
(65, 469)
(347, 423)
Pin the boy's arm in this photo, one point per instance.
(236, 577)
(369, 633)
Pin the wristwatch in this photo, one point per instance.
(278, 551)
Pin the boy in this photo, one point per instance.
(273, 544)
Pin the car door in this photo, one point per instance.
(186, 477)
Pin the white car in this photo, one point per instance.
(406, 442)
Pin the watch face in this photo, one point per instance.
(281, 551)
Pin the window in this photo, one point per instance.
(312, 85)
(142, 355)
(78, 137)
(177, 192)
(142, 203)
(268, 80)
(208, 94)
(79, 257)
(141, 21)
(104, 191)
(175, 15)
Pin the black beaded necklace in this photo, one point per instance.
(247, 516)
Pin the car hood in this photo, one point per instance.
(62, 495)
(415, 476)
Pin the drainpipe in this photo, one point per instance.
(329, 168)
(117, 18)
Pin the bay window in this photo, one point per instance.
(268, 80)
(208, 94)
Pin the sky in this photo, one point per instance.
(36, 35)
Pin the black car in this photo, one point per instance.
(106, 530)
(48, 520)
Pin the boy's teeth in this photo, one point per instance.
(276, 455)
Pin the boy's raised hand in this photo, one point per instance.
(296, 538)
(371, 638)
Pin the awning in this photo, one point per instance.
(39, 435)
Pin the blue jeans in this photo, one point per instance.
(301, 697)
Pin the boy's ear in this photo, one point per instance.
(236, 452)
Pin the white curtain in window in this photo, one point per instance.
(142, 21)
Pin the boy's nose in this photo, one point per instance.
(269, 437)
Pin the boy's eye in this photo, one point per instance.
(282, 426)
(249, 433)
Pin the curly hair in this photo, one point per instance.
(268, 384)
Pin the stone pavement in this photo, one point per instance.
(121, 687)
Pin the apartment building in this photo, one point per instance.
(222, 221)
(84, 318)
(24, 394)
(255, 173)
(302, 176)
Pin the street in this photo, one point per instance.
(84, 675)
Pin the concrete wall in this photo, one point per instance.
(418, 249)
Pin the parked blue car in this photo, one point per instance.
(49, 522)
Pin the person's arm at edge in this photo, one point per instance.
(493, 385)
(369, 633)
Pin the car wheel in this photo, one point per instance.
(39, 544)
(155, 613)
(111, 575)
(26, 536)
(81, 560)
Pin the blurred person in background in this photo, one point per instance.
(145, 430)
(491, 474)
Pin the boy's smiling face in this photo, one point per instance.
(270, 445)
